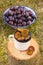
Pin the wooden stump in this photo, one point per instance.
(16, 57)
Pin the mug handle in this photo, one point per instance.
(11, 37)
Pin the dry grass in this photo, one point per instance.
(36, 29)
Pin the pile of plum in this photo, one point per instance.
(19, 16)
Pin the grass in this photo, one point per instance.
(36, 29)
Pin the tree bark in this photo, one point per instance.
(15, 57)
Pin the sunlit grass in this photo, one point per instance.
(36, 29)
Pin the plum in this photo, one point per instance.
(22, 35)
(11, 8)
(11, 12)
(24, 23)
(28, 22)
(4, 17)
(30, 50)
(33, 16)
(16, 20)
(20, 21)
(27, 13)
(17, 35)
(24, 13)
(7, 19)
(15, 16)
(22, 9)
(11, 18)
(29, 17)
(23, 18)
(15, 24)
(19, 15)
(11, 22)
(18, 9)
(7, 14)
(14, 12)
(18, 12)
(21, 38)
(19, 24)
(30, 13)
(15, 8)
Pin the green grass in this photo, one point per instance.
(36, 29)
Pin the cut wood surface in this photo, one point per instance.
(18, 55)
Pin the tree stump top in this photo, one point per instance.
(19, 55)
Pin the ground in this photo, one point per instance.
(36, 29)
